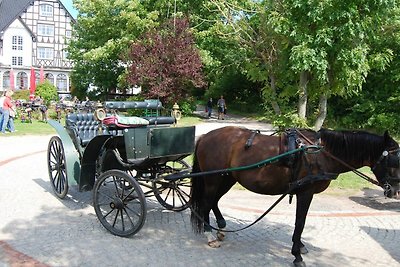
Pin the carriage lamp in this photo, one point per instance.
(176, 112)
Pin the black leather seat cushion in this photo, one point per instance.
(83, 125)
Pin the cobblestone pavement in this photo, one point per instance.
(38, 229)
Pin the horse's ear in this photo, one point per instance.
(386, 136)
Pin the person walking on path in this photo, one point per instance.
(209, 107)
(7, 108)
(221, 108)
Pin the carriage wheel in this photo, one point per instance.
(174, 195)
(119, 203)
(56, 166)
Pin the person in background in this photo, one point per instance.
(13, 114)
(209, 107)
(7, 107)
(2, 98)
(221, 107)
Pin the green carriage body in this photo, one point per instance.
(141, 146)
(118, 160)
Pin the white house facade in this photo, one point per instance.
(34, 34)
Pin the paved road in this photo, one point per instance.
(37, 229)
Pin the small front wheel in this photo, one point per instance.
(119, 203)
(174, 195)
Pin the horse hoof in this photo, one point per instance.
(214, 244)
(303, 250)
(220, 236)
(299, 264)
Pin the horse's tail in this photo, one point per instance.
(196, 195)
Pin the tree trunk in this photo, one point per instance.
(274, 101)
(323, 107)
(303, 96)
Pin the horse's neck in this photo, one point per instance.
(353, 156)
(348, 162)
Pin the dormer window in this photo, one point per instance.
(46, 10)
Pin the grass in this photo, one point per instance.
(188, 121)
(349, 182)
(34, 128)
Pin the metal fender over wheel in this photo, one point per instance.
(119, 203)
(57, 167)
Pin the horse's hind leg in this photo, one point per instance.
(223, 189)
(220, 222)
(208, 203)
(211, 239)
(303, 204)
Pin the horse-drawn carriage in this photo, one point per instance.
(117, 157)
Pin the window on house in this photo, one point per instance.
(61, 82)
(17, 42)
(68, 33)
(46, 30)
(45, 53)
(46, 10)
(16, 61)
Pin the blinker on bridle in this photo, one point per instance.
(388, 160)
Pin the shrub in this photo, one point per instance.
(187, 106)
(47, 91)
(21, 94)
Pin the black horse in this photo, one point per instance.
(231, 147)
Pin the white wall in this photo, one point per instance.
(16, 28)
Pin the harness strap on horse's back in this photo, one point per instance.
(249, 141)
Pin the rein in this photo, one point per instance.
(293, 186)
(360, 174)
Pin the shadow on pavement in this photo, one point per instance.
(374, 199)
(378, 233)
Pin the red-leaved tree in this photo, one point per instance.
(165, 62)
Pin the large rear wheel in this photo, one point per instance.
(57, 167)
(119, 203)
(173, 195)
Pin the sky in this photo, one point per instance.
(68, 5)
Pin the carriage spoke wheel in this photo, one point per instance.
(119, 203)
(56, 166)
(174, 195)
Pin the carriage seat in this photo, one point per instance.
(84, 126)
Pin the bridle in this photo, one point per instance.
(387, 159)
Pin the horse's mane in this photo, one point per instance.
(354, 145)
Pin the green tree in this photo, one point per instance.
(102, 35)
(332, 45)
(47, 91)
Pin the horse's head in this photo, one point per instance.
(387, 168)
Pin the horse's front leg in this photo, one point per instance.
(303, 204)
